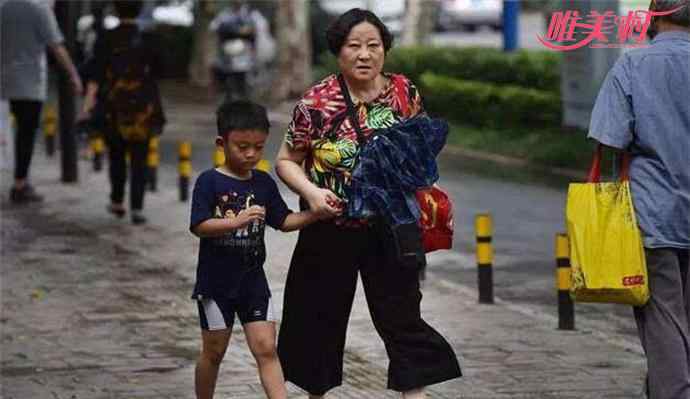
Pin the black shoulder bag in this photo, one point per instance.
(402, 244)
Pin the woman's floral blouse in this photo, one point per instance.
(321, 127)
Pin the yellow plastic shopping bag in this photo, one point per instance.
(606, 252)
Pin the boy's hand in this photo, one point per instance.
(247, 216)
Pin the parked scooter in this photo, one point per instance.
(236, 51)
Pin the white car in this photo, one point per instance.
(179, 13)
(391, 12)
(470, 14)
(174, 13)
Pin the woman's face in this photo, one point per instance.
(362, 55)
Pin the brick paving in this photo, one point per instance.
(93, 307)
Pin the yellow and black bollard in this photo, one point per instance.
(50, 128)
(485, 256)
(97, 149)
(218, 157)
(264, 166)
(185, 168)
(152, 162)
(566, 310)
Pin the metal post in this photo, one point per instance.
(584, 70)
(65, 11)
(185, 168)
(264, 166)
(50, 128)
(97, 149)
(218, 157)
(566, 311)
(511, 25)
(485, 257)
(153, 160)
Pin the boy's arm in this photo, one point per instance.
(298, 220)
(214, 227)
(217, 227)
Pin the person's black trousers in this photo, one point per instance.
(27, 114)
(233, 84)
(138, 150)
(319, 292)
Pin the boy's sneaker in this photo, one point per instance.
(24, 195)
(138, 218)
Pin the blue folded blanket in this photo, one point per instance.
(392, 166)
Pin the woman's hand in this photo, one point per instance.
(289, 167)
(84, 115)
(324, 203)
(89, 102)
(77, 85)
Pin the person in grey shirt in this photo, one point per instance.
(644, 107)
(27, 27)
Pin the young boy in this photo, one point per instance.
(230, 207)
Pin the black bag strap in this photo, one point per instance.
(351, 112)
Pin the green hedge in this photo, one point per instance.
(549, 147)
(534, 69)
(489, 105)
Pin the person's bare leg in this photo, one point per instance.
(414, 394)
(261, 338)
(213, 346)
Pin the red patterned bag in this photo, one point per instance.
(437, 219)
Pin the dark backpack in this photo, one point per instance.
(131, 99)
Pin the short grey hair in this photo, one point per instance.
(680, 17)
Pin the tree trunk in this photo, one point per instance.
(294, 49)
(419, 22)
(202, 50)
(413, 12)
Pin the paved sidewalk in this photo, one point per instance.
(93, 307)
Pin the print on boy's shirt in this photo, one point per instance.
(229, 206)
(224, 262)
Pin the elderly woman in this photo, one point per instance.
(316, 161)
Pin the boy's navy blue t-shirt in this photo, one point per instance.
(224, 261)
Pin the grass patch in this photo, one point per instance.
(546, 147)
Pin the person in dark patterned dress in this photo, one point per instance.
(316, 161)
(123, 100)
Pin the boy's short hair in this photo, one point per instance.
(241, 115)
(128, 8)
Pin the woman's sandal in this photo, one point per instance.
(118, 212)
